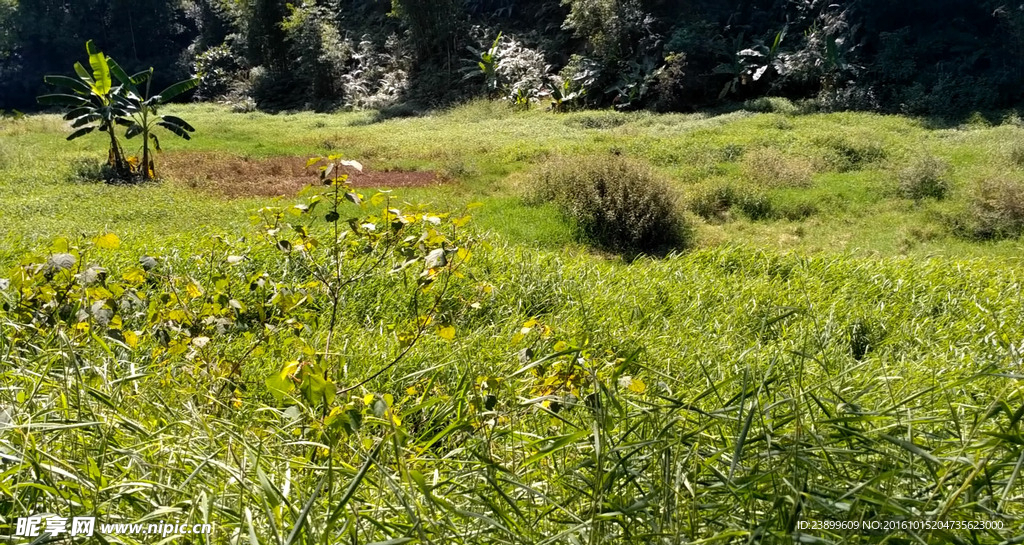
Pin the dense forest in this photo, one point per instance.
(932, 57)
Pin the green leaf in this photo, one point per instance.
(120, 75)
(297, 528)
(84, 74)
(134, 130)
(554, 444)
(63, 100)
(81, 132)
(141, 77)
(175, 129)
(78, 112)
(88, 118)
(280, 385)
(339, 507)
(911, 447)
(100, 69)
(270, 492)
(179, 122)
(178, 88)
(75, 85)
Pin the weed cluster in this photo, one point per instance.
(769, 168)
(846, 154)
(995, 209)
(613, 202)
(716, 201)
(926, 178)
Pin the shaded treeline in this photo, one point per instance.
(937, 57)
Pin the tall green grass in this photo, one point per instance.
(722, 396)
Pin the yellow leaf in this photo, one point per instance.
(561, 346)
(108, 241)
(367, 399)
(447, 333)
(193, 290)
(473, 205)
(130, 338)
(135, 276)
(290, 368)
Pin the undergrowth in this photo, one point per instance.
(409, 395)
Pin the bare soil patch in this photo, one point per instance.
(240, 177)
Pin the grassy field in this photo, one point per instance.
(846, 353)
(833, 178)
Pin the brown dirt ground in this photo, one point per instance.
(240, 177)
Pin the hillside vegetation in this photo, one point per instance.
(945, 58)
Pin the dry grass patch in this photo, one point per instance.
(240, 177)
(769, 168)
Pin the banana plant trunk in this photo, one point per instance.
(116, 158)
(148, 169)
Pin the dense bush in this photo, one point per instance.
(316, 51)
(219, 71)
(378, 76)
(995, 209)
(613, 202)
(926, 178)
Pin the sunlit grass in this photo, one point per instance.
(859, 363)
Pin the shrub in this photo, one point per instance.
(219, 70)
(380, 75)
(714, 203)
(85, 170)
(767, 167)
(995, 210)
(926, 178)
(615, 203)
(796, 210)
(778, 105)
(844, 154)
(1017, 154)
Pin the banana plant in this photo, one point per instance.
(485, 64)
(142, 108)
(94, 104)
